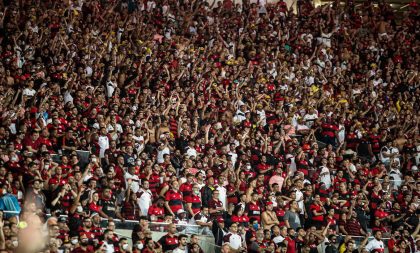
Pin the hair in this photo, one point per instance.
(143, 218)
(282, 245)
(237, 209)
(252, 220)
(193, 235)
(147, 241)
(122, 239)
(376, 232)
(182, 236)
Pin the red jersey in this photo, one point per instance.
(174, 199)
(254, 211)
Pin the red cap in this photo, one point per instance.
(220, 220)
(269, 203)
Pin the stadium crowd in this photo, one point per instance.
(269, 128)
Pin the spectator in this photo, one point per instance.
(109, 241)
(193, 245)
(269, 217)
(376, 243)
(151, 246)
(194, 201)
(291, 218)
(123, 245)
(331, 247)
(203, 220)
(251, 100)
(235, 241)
(216, 208)
(170, 240)
(182, 244)
(173, 199)
(84, 244)
(219, 231)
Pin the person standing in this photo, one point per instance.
(173, 199)
(216, 209)
(103, 142)
(222, 191)
(269, 218)
(144, 197)
(290, 239)
(291, 218)
(194, 201)
(219, 231)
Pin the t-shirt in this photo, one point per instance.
(293, 219)
(375, 245)
(234, 240)
(28, 92)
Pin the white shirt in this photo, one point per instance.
(309, 119)
(278, 239)
(222, 195)
(191, 152)
(161, 153)
(341, 133)
(235, 240)
(118, 128)
(233, 157)
(388, 151)
(135, 181)
(139, 142)
(110, 88)
(299, 199)
(179, 250)
(29, 92)
(145, 200)
(103, 142)
(325, 176)
(262, 117)
(109, 247)
(240, 116)
(375, 244)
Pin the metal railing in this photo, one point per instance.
(188, 229)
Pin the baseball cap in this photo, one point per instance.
(220, 220)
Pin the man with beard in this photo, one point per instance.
(84, 245)
(109, 240)
(36, 195)
(173, 199)
(123, 246)
(182, 246)
(157, 211)
(331, 247)
(144, 197)
(86, 228)
(109, 205)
